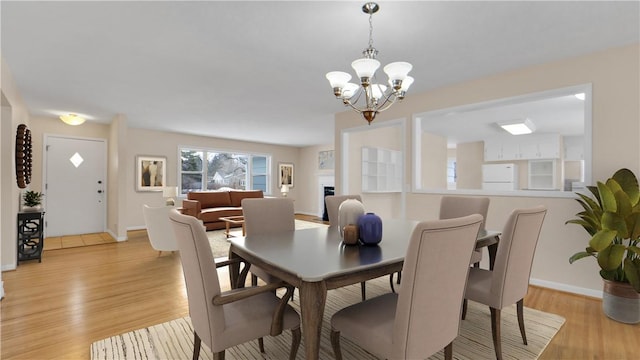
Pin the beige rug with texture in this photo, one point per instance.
(174, 340)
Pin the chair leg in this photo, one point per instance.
(393, 289)
(495, 332)
(159, 253)
(254, 280)
(448, 351)
(520, 308)
(363, 290)
(296, 336)
(218, 355)
(476, 265)
(335, 344)
(464, 309)
(196, 346)
(261, 344)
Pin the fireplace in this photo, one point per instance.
(328, 190)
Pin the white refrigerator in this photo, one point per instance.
(499, 177)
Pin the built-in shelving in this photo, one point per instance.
(381, 170)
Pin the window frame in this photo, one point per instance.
(249, 175)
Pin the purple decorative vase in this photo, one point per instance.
(370, 229)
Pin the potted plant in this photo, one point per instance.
(612, 219)
(32, 200)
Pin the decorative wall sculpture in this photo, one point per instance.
(23, 156)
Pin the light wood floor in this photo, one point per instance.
(57, 308)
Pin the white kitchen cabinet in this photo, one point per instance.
(381, 170)
(542, 174)
(522, 147)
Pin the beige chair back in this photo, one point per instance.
(435, 274)
(268, 215)
(159, 228)
(458, 206)
(201, 277)
(333, 204)
(515, 255)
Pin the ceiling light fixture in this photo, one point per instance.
(72, 119)
(376, 97)
(518, 127)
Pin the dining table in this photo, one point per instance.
(315, 260)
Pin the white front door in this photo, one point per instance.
(75, 183)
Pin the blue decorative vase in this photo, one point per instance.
(370, 229)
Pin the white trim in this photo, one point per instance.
(122, 238)
(9, 267)
(566, 288)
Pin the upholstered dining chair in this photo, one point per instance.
(225, 319)
(159, 228)
(333, 205)
(425, 316)
(265, 216)
(457, 206)
(508, 282)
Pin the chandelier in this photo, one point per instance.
(370, 98)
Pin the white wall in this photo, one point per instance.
(614, 76)
(14, 112)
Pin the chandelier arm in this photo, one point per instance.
(347, 102)
(389, 99)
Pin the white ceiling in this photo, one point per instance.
(255, 70)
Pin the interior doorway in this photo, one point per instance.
(74, 186)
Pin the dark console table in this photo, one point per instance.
(30, 236)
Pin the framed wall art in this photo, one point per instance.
(326, 160)
(151, 172)
(285, 174)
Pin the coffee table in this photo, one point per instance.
(239, 219)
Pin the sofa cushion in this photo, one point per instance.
(210, 199)
(214, 214)
(238, 195)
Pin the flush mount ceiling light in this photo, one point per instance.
(72, 119)
(375, 97)
(518, 127)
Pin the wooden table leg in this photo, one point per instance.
(313, 296)
(227, 224)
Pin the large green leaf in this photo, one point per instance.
(611, 257)
(634, 249)
(633, 274)
(624, 204)
(588, 203)
(609, 275)
(629, 184)
(606, 196)
(633, 224)
(602, 239)
(596, 194)
(578, 256)
(585, 224)
(613, 221)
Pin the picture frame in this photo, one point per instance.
(151, 173)
(326, 160)
(285, 174)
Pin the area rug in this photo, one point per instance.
(220, 244)
(174, 339)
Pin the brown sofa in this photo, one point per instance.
(210, 206)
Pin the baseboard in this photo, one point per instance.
(308, 213)
(567, 288)
(139, 227)
(8, 267)
(118, 238)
